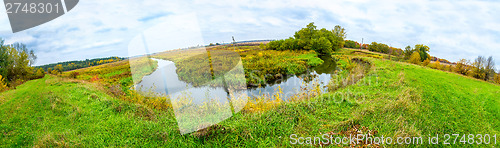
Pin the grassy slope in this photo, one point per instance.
(56, 112)
(396, 99)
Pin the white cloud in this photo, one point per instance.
(453, 29)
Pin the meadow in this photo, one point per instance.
(371, 95)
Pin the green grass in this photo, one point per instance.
(393, 98)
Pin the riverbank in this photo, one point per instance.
(392, 100)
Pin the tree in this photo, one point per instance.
(4, 58)
(20, 60)
(322, 46)
(306, 33)
(478, 70)
(340, 32)
(59, 68)
(423, 51)
(497, 78)
(310, 38)
(489, 67)
(407, 52)
(462, 67)
(378, 47)
(415, 58)
(40, 73)
(350, 44)
(49, 70)
(338, 41)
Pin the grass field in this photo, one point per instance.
(390, 99)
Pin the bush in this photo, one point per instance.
(436, 65)
(497, 78)
(351, 44)
(415, 58)
(3, 86)
(322, 46)
(378, 47)
(74, 74)
(426, 63)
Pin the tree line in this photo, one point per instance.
(481, 68)
(72, 65)
(325, 42)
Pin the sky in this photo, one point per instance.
(452, 29)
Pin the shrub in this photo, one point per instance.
(74, 74)
(322, 46)
(351, 44)
(3, 86)
(436, 65)
(497, 78)
(426, 63)
(262, 46)
(378, 47)
(415, 58)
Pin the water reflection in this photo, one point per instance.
(165, 80)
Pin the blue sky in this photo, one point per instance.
(452, 29)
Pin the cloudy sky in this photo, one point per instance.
(452, 29)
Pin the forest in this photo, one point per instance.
(72, 65)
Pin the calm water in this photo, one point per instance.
(165, 81)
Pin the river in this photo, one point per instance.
(164, 80)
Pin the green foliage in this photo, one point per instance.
(322, 41)
(40, 73)
(378, 47)
(422, 51)
(351, 44)
(322, 46)
(58, 68)
(4, 58)
(262, 46)
(407, 53)
(15, 63)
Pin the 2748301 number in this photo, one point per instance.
(469, 139)
(32, 8)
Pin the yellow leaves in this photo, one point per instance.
(415, 58)
(3, 86)
(497, 78)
